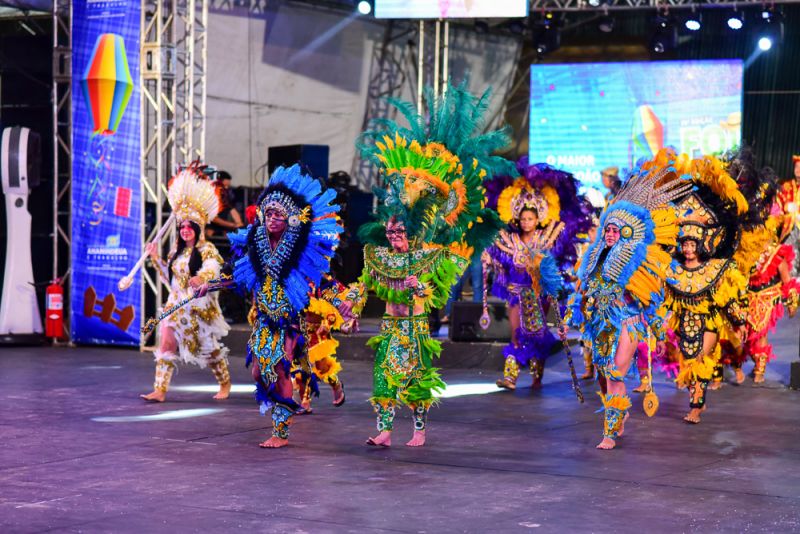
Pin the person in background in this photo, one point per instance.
(611, 181)
(228, 219)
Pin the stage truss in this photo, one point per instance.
(630, 5)
(62, 142)
(174, 46)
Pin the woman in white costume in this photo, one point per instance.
(192, 333)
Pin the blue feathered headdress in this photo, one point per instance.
(303, 254)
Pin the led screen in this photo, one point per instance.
(589, 116)
(442, 9)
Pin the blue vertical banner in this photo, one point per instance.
(106, 196)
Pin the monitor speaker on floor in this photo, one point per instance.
(465, 322)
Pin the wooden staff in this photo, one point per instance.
(575, 385)
(126, 281)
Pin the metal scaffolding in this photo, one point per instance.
(630, 5)
(173, 107)
(391, 67)
(62, 142)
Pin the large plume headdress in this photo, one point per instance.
(303, 254)
(710, 213)
(644, 212)
(561, 202)
(433, 170)
(759, 185)
(192, 197)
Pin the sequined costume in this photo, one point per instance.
(707, 299)
(788, 202)
(432, 173)
(620, 289)
(404, 350)
(772, 293)
(527, 275)
(527, 278)
(199, 326)
(281, 279)
(325, 315)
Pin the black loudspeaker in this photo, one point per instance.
(313, 159)
(465, 322)
(794, 375)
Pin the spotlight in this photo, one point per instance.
(666, 35)
(596, 3)
(694, 22)
(606, 24)
(769, 30)
(547, 34)
(736, 20)
(364, 7)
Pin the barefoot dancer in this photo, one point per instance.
(705, 290)
(279, 258)
(333, 306)
(192, 334)
(430, 218)
(621, 279)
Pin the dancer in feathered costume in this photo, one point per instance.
(430, 219)
(279, 258)
(192, 334)
(544, 214)
(789, 205)
(705, 290)
(772, 290)
(333, 307)
(621, 278)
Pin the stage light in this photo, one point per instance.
(736, 20)
(596, 3)
(666, 35)
(769, 31)
(547, 34)
(606, 24)
(364, 7)
(694, 22)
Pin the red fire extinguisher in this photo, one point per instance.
(54, 310)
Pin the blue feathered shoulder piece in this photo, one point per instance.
(549, 276)
(303, 253)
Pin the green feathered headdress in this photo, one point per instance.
(433, 171)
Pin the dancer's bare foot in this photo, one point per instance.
(607, 444)
(693, 416)
(417, 440)
(155, 396)
(758, 379)
(305, 408)
(224, 391)
(622, 426)
(739, 375)
(715, 385)
(384, 439)
(641, 388)
(505, 383)
(274, 443)
(338, 394)
(588, 375)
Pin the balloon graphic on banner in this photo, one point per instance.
(648, 132)
(107, 83)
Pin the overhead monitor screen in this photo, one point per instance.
(454, 9)
(588, 116)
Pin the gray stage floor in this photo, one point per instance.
(81, 453)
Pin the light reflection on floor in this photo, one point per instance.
(460, 390)
(163, 416)
(235, 388)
